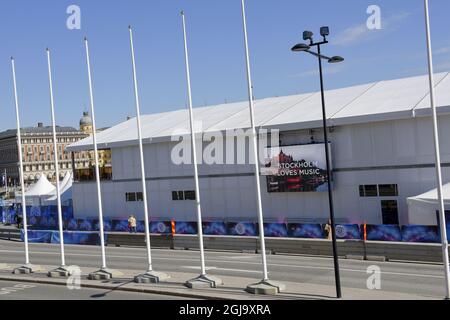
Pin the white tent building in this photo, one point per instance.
(380, 138)
(39, 192)
(65, 191)
(423, 208)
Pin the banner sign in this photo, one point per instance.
(86, 224)
(215, 228)
(160, 227)
(73, 225)
(348, 231)
(81, 238)
(242, 229)
(120, 225)
(383, 232)
(183, 227)
(305, 230)
(299, 168)
(429, 234)
(275, 230)
(35, 236)
(107, 225)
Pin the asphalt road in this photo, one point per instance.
(411, 278)
(34, 291)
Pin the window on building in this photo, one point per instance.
(130, 196)
(189, 195)
(368, 190)
(388, 190)
(177, 195)
(134, 196)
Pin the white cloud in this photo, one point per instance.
(443, 50)
(360, 32)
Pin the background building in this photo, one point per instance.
(37, 144)
(380, 138)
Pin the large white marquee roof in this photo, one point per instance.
(378, 101)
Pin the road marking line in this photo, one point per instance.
(241, 262)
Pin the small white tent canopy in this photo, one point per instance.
(422, 208)
(40, 191)
(65, 188)
(41, 188)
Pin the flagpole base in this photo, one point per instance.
(204, 281)
(104, 274)
(151, 277)
(60, 272)
(27, 269)
(266, 287)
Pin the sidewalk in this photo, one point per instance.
(233, 288)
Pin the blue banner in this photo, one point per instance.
(161, 227)
(214, 228)
(305, 230)
(120, 225)
(81, 238)
(348, 231)
(242, 229)
(72, 225)
(107, 225)
(183, 227)
(383, 232)
(35, 236)
(428, 234)
(86, 224)
(275, 230)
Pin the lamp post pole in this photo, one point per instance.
(301, 47)
(330, 191)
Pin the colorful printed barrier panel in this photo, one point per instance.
(160, 227)
(275, 230)
(37, 236)
(9, 215)
(183, 227)
(348, 231)
(49, 236)
(107, 225)
(383, 232)
(428, 234)
(214, 228)
(242, 229)
(305, 230)
(120, 225)
(140, 226)
(83, 238)
(72, 225)
(86, 224)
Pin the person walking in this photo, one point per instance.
(132, 224)
(328, 230)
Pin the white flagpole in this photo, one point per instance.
(62, 271)
(203, 279)
(442, 221)
(27, 268)
(265, 286)
(150, 276)
(104, 272)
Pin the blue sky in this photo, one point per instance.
(216, 51)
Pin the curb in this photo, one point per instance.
(137, 290)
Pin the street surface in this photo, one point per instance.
(396, 277)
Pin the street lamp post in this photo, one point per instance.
(308, 35)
